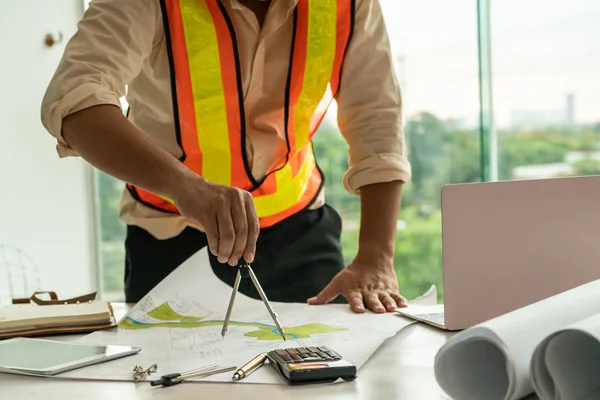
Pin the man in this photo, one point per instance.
(225, 97)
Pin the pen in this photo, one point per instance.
(174, 379)
(250, 367)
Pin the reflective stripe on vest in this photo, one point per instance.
(208, 100)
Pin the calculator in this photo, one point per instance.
(306, 365)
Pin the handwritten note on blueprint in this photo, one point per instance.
(178, 325)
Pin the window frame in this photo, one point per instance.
(488, 138)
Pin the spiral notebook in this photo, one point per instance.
(36, 317)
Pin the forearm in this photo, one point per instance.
(106, 139)
(380, 204)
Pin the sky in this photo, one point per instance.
(541, 51)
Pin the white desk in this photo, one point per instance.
(400, 369)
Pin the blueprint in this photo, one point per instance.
(178, 326)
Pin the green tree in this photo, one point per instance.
(531, 148)
(587, 167)
(461, 163)
(331, 151)
(418, 257)
(426, 140)
(418, 254)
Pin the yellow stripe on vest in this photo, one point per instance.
(168, 200)
(320, 56)
(289, 188)
(207, 86)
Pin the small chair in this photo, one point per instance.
(19, 275)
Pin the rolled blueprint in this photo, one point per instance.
(566, 365)
(492, 360)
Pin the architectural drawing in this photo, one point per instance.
(178, 326)
(164, 316)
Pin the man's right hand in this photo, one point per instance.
(227, 215)
(104, 137)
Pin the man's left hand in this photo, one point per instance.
(364, 285)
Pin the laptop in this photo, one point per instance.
(508, 244)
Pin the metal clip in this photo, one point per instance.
(140, 374)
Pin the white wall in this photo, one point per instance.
(45, 203)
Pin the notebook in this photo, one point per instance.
(40, 317)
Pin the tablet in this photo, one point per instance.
(48, 357)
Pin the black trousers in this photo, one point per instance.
(294, 260)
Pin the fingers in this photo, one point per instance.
(253, 228)
(228, 217)
(400, 300)
(376, 303)
(240, 225)
(388, 302)
(373, 303)
(211, 228)
(355, 301)
(226, 235)
(238, 228)
(329, 293)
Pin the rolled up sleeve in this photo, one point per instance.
(113, 39)
(370, 105)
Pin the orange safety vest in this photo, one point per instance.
(208, 100)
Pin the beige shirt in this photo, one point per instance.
(120, 49)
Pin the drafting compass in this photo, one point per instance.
(244, 270)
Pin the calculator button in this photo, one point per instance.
(307, 354)
(311, 359)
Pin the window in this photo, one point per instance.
(546, 74)
(112, 233)
(112, 237)
(434, 43)
(540, 120)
